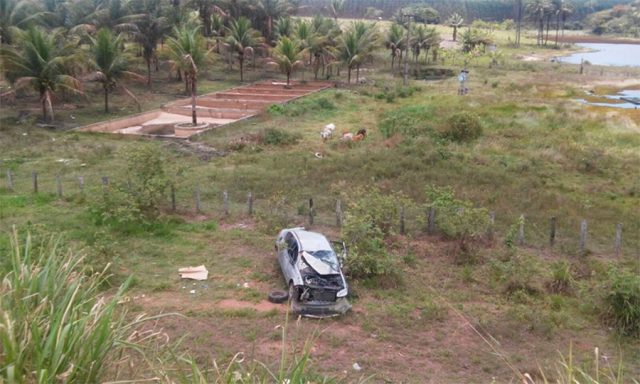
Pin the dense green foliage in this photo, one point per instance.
(463, 126)
(495, 10)
(622, 300)
(55, 322)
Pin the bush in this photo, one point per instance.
(561, 277)
(410, 121)
(138, 199)
(274, 136)
(622, 302)
(463, 126)
(369, 220)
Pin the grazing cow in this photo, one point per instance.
(327, 131)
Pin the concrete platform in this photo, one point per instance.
(217, 109)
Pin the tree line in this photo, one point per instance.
(491, 10)
(55, 47)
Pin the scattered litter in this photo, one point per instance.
(357, 367)
(83, 165)
(245, 285)
(24, 133)
(319, 155)
(192, 291)
(194, 273)
(64, 161)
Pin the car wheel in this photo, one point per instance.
(278, 296)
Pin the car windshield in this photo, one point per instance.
(328, 257)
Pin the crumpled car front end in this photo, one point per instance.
(321, 296)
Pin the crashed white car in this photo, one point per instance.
(311, 269)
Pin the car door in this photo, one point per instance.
(287, 256)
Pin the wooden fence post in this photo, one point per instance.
(431, 220)
(338, 213)
(583, 237)
(552, 232)
(59, 186)
(225, 202)
(173, 198)
(402, 228)
(521, 231)
(250, 203)
(9, 180)
(34, 177)
(492, 224)
(197, 198)
(81, 183)
(618, 242)
(311, 211)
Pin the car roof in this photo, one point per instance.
(311, 241)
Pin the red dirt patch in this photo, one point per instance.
(263, 306)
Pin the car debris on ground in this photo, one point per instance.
(194, 273)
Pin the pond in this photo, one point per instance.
(617, 100)
(606, 54)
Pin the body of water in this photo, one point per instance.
(617, 98)
(606, 54)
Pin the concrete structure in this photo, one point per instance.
(214, 109)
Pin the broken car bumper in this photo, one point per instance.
(321, 309)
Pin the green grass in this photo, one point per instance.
(540, 155)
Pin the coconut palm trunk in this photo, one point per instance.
(106, 98)
(194, 118)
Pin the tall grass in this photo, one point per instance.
(56, 325)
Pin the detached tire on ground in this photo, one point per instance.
(278, 296)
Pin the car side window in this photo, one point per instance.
(292, 247)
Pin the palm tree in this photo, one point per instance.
(40, 63)
(272, 10)
(284, 27)
(242, 39)
(150, 30)
(536, 10)
(287, 55)
(355, 46)
(18, 13)
(217, 29)
(562, 10)
(455, 21)
(423, 38)
(110, 63)
(335, 8)
(188, 52)
(305, 35)
(395, 41)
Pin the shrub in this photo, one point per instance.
(276, 214)
(139, 198)
(274, 136)
(369, 220)
(561, 277)
(463, 126)
(409, 121)
(622, 302)
(458, 219)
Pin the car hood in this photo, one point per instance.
(319, 266)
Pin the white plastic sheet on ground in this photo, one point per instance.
(194, 273)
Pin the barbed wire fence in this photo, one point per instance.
(555, 234)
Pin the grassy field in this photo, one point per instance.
(541, 154)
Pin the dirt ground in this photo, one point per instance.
(460, 337)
